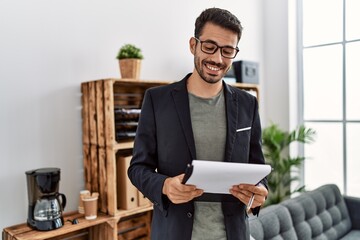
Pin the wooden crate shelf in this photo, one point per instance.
(85, 229)
(252, 88)
(100, 99)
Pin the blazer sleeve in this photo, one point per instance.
(256, 152)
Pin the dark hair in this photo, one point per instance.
(220, 17)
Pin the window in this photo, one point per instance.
(330, 98)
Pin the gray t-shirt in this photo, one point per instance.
(208, 118)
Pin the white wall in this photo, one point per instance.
(275, 81)
(47, 48)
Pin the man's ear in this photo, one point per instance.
(192, 45)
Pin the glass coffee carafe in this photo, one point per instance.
(49, 207)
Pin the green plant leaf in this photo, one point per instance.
(275, 144)
(129, 51)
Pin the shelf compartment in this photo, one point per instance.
(136, 226)
(100, 99)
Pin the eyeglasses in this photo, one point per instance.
(210, 47)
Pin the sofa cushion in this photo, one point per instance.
(352, 235)
(319, 214)
(274, 222)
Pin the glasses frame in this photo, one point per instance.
(217, 47)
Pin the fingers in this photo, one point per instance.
(243, 196)
(244, 192)
(182, 197)
(178, 192)
(258, 190)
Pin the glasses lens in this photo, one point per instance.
(228, 52)
(208, 47)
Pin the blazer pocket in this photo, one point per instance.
(243, 129)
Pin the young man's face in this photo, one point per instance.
(213, 67)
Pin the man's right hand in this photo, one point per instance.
(178, 192)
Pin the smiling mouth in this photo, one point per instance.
(212, 66)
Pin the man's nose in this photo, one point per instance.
(217, 57)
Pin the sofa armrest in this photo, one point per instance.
(353, 206)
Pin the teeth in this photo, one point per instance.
(213, 68)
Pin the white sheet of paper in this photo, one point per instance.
(219, 177)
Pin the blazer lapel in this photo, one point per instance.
(181, 100)
(231, 103)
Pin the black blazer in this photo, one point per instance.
(164, 145)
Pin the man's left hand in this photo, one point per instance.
(243, 192)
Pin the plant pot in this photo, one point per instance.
(130, 68)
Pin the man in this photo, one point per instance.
(197, 118)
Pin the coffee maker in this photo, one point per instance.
(46, 204)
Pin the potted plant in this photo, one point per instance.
(130, 57)
(275, 144)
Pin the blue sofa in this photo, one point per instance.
(321, 214)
